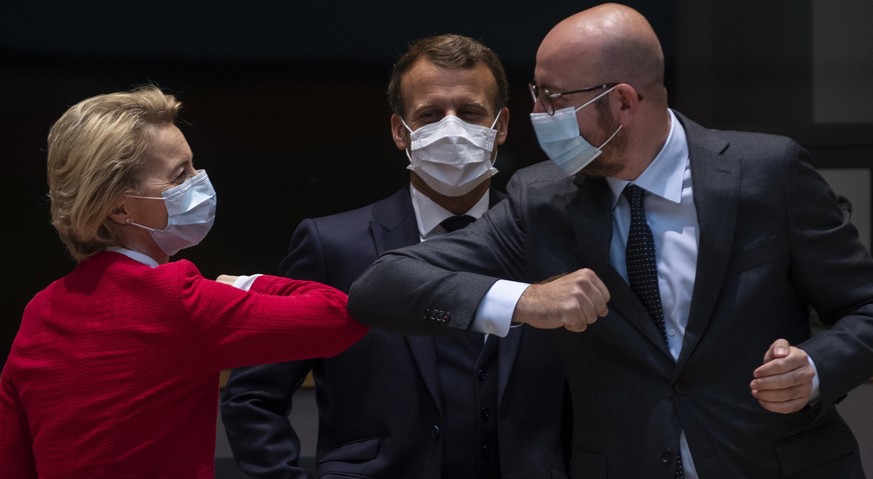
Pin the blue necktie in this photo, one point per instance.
(642, 272)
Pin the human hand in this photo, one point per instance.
(783, 384)
(226, 279)
(572, 301)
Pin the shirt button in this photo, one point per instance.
(671, 332)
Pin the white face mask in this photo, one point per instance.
(559, 137)
(190, 214)
(452, 156)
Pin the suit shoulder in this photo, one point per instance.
(753, 143)
(362, 215)
(542, 172)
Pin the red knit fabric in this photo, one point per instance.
(114, 372)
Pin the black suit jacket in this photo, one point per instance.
(773, 243)
(379, 407)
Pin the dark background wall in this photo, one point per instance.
(285, 105)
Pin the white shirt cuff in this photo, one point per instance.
(244, 282)
(815, 395)
(494, 314)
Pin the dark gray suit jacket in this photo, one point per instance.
(379, 401)
(773, 243)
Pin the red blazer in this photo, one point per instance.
(114, 372)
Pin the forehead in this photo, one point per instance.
(426, 83)
(562, 67)
(167, 148)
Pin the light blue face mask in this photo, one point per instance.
(190, 214)
(559, 137)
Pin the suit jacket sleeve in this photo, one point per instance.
(258, 399)
(834, 271)
(16, 453)
(441, 281)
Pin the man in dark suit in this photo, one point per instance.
(675, 267)
(397, 406)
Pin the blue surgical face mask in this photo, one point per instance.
(559, 137)
(190, 214)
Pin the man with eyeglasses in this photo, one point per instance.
(675, 267)
(462, 406)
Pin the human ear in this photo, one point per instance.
(399, 133)
(502, 126)
(119, 213)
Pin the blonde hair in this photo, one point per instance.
(96, 152)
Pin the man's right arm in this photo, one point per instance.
(258, 399)
(447, 283)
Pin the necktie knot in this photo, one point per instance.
(634, 196)
(453, 223)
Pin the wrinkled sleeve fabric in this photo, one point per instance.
(279, 319)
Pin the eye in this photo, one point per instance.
(181, 177)
(429, 116)
(473, 115)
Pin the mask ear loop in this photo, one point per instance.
(409, 146)
(134, 223)
(404, 124)
(610, 138)
(495, 119)
(595, 98)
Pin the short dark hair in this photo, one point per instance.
(448, 51)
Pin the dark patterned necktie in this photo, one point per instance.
(453, 223)
(642, 272)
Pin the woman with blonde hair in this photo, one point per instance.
(114, 371)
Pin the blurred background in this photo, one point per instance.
(284, 102)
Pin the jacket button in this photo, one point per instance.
(666, 455)
(680, 387)
(435, 431)
(485, 413)
(483, 374)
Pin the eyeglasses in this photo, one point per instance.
(547, 98)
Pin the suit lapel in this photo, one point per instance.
(393, 223)
(716, 182)
(590, 213)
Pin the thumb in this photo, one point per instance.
(779, 349)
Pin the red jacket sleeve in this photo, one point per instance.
(16, 454)
(278, 320)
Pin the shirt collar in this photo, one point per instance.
(665, 174)
(428, 214)
(134, 255)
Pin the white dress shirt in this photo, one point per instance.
(429, 215)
